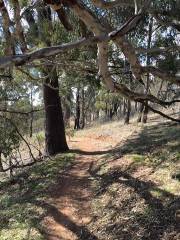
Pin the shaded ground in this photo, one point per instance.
(123, 184)
(137, 187)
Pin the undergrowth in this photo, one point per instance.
(21, 216)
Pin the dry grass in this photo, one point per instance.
(136, 184)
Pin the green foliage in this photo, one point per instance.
(9, 139)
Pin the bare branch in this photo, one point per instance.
(20, 166)
(61, 12)
(127, 27)
(157, 50)
(22, 59)
(161, 74)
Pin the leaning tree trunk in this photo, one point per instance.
(55, 138)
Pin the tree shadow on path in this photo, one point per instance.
(160, 218)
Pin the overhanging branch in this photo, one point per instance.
(157, 50)
(162, 74)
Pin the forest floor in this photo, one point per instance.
(118, 182)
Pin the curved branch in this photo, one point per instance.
(161, 74)
(140, 97)
(162, 114)
(98, 29)
(22, 59)
(157, 50)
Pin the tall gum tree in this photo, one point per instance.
(104, 33)
(55, 138)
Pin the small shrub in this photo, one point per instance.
(40, 139)
(70, 133)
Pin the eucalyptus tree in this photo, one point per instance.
(122, 25)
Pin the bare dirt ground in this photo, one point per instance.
(70, 204)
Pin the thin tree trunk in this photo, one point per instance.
(128, 112)
(55, 138)
(82, 109)
(32, 114)
(67, 110)
(148, 62)
(115, 108)
(110, 113)
(78, 113)
(1, 165)
(140, 113)
(145, 114)
(135, 106)
(124, 106)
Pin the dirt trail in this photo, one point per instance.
(69, 209)
(69, 204)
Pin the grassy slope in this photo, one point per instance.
(137, 186)
(20, 210)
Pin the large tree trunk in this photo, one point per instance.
(55, 138)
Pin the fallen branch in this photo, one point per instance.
(18, 112)
(19, 166)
